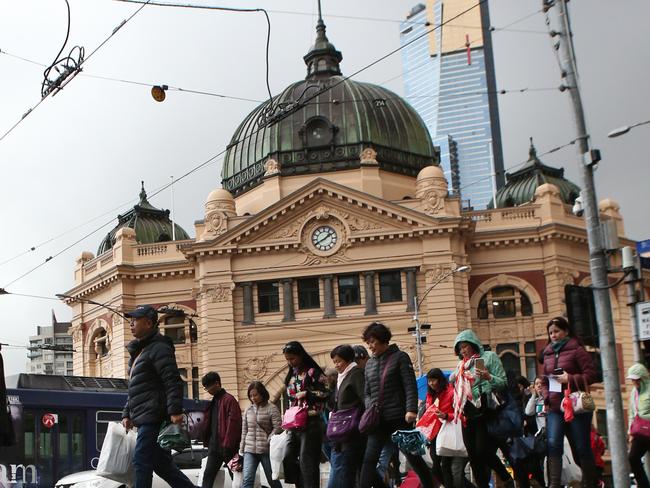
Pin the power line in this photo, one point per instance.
(76, 71)
(140, 83)
(262, 127)
(225, 9)
(516, 165)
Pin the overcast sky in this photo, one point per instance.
(81, 155)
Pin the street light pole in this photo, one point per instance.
(416, 314)
(625, 129)
(597, 259)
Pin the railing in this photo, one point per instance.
(504, 216)
(151, 249)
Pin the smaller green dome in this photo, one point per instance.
(521, 185)
(150, 224)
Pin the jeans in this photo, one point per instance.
(482, 452)
(638, 448)
(385, 457)
(251, 461)
(150, 457)
(453, 472)
(305, 448)
(343, 467)
(376, 443)
(578, 432)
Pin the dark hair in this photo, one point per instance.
(210, 379)
(378, 331)
(561, 323)
(523, 381)
(440, 376)
(261, 389)
(295, 347)
(360, 352)
(344, 351)
(474, 347)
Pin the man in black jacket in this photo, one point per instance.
(155, 395)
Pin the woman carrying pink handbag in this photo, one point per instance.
(307, 392)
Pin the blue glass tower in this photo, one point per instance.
(449, 79)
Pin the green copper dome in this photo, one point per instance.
(151, 225)
(323, 123)
(521, 185)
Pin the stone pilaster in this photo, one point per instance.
(328, 296)
(249, 309)
(411, 289)
(287, 300)
(370, 297)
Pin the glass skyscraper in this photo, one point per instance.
(449, 79)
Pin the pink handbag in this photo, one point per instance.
(640, 427)
(295, 417)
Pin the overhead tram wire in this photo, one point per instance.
(141, 83)
(231, 97)
(225, 9)
(259, 129)
(53, 92)
(491, 175)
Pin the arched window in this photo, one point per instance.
(100, 343)
(504, 302)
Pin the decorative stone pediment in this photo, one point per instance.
(359, 215)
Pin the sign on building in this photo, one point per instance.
(643, 320)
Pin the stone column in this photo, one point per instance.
(287, 300)
(369, 292)
(249, 309)
(328, 295)
(411, 288)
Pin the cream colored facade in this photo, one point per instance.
(264, 240)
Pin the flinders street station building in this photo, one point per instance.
(333, 213)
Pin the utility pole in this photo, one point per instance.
(597, 260)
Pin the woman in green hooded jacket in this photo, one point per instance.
(473, 387)
(639, 405)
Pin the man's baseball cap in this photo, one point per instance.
(143, 311)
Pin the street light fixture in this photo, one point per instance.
(625, 129)
(417, 330)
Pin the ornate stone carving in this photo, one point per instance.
(216, 222)
(219, 293)
(271, 167)
(437, 272)
(256, 368)
(433, 201)
(313, 259)
(290, 230)
(359, 224)
(368, 156)
(245, 339)
(566, 276)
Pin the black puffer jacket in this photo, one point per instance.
(155, 386)
(400, 390)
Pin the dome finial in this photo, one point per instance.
(532, 152)
(143, 193)
(322, 58)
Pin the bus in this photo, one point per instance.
(60, 423)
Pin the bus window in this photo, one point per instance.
(30, 441)
(78, 444)
(63, 440)
(103, 418)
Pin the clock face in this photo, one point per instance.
(324, 238)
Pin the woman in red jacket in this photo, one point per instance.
(567, 364)
(440, 397)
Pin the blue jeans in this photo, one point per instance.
(343, 466)
(578, 432)
(150, 457)
(251, 461)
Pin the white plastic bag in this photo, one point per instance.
(277, 452)
(237, 479)
(449, 441)
(204, 463)
(116, 458)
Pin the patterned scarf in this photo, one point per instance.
(463, 384)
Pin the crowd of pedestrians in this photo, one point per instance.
(360, 414)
